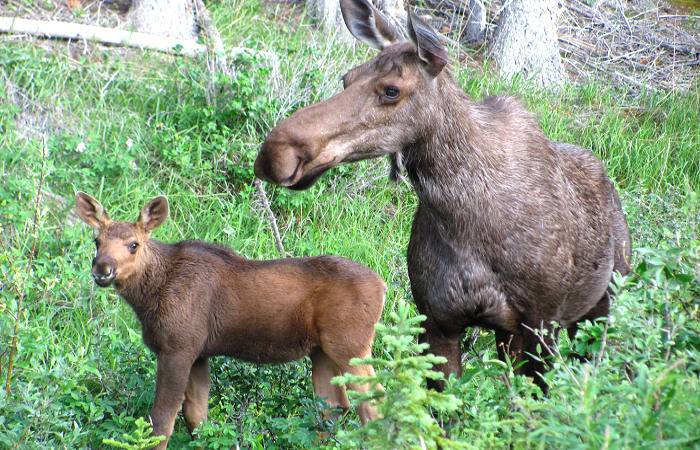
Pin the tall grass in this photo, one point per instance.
(126, 125)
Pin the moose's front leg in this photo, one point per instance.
(171, 381)
(449, 347)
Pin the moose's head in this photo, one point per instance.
(381, 110)
(120, 245)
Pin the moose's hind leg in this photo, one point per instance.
(365, 410)
(196, 403)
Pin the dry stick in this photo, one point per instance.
(626, 78)
(20, 292)
(553, 352)
(215, 44)
(270, 216)
(624, 17)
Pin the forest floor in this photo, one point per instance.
(637, 44)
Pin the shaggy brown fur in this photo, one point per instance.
(195, 300)
(512, 231)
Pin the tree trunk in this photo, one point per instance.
(394, 10)
(526, 41)
(327, 14)
(173, 18)
(475, 28)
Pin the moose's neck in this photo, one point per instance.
(141, 290)
(469, 150)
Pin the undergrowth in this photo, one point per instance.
(125, 125)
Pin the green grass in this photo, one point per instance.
(151, 124)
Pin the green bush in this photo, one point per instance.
(406, 406)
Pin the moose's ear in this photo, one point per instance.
(367, 24)
(154, 214)
(91, 211)
(430, 50)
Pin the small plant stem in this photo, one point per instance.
(30, 263)
(602, 350)
(553, 352)
(215, 46)
(31, 424)
(9, 261)
(271, 217)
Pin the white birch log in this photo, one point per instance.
(67, 30)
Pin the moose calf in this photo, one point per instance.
(196, 299)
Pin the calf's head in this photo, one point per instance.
(382, 109)
(119, 244)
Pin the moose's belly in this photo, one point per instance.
(472, 282)
(263, 349)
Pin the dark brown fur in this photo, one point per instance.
(196, 299)
(512, 231)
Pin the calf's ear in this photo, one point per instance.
(91, 211)
(154, 214)
(367, 24)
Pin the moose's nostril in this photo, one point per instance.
(104, 279)
(103, 273)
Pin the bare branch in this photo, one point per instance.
(270, 216)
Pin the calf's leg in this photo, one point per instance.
(196, 403)
(171, 382)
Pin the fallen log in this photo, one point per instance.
(67, 30)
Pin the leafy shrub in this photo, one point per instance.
(140, 439)
(405, 407)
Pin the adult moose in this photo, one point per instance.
(195, 299)
(512, 231)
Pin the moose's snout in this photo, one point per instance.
(104, 271)
(278, 161)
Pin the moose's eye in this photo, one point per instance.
(133, 246)
(391, 93)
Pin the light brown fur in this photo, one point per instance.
(196, 299)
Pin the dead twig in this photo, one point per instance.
(215, 44)
(270, 216)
